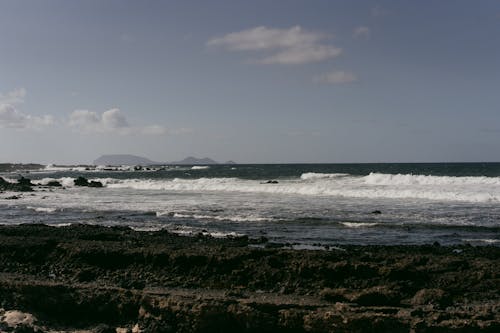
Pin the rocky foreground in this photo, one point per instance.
(118, 280)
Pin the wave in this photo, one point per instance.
(410, 179)
(357, 225)
(43, 209)
(65, 181)
(232, 218)
(482, 240)
(316, 175)
(344, 187)
(374, 185)
(200, 167)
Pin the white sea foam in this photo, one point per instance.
(43, 209)
(485, 240)
(59, 225)
(316, 175)
(52, 167)
(358, 224)
(233, 218)
(65, 181)
(409, 179)
(200, 167)
(190, 231)
(471, 189)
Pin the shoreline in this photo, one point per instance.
(103, 278)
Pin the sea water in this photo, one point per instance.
(304, 204)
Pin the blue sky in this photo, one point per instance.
(251, 81)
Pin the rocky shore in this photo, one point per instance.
(101, 279)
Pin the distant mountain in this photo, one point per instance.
(138, 160)
(123, 160)
(194, 160)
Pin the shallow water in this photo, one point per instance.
(310, 204)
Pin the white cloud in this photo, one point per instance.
(302, 55)
(13, 97)
(361, 32)
(291, 46)
(336, 77)
(110, 121)
(11, 117)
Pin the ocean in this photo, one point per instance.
(301, 205)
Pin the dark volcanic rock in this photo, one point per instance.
(54, 183)
(99, 278)
(23, 186)
(95, 184)
(81, 181)
(24, 182)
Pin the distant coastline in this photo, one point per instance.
(125, 159)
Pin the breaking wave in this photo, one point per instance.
(200, 167)
(315, 175)
(409, 179)
(374, 185)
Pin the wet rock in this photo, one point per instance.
(377, 296)
(103, 328)
(334, 295)
(24, 186)
(54, 183)
(95, 184)
(81, 181)
(430, 296)
(24, 181)
(376, 212)
(14, 318)
(166, 282)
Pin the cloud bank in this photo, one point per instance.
(293, 46)
(11, 117)
(111, 121)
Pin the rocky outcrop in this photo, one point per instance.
(82, 181)
(23, 185)
(116, 279)
(54, 183)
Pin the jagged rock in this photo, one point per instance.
(95, 184)
(14, 318)
(25, 181)
(24, 186)
(81, 181)
(430, 296)
(103, 328)
(170, 283)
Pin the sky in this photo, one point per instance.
(313, 81)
